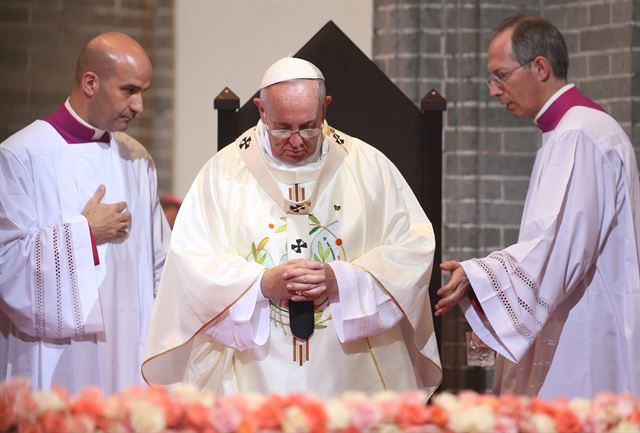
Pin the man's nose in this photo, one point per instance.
(295, 139)
(137, 105)
(494, 88)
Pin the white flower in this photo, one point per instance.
(543, 423)
(478, 419)
(448, 401)
(337, 415)
(385, 396)
(186, 392)
(115, 408)
(353, 397)
(253, 400)
(295, 421)
(625, 427)
(47, 401)
(146, 418)
(388, 428)
(581, 407)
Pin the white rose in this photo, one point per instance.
(146, 418)
(337, 415)
(581, 407)
(253, 400)
(543, 423)
(387, 428)
(185, 391)
(115, 408)
(295, 421)
(384, 396)
(625, 427)
(448, 401)
(477, 419)
(48, 401)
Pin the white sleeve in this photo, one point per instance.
(362, 309)
(569, 211)
(246, 324)
(48, 282)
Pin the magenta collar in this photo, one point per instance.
(569, 99)
(70, 129)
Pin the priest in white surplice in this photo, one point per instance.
(295, 210)
(562, 305)
(82, 234)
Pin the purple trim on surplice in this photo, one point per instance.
(569, 99)
(70, 129)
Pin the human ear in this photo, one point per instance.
(542, 68)
(327, 101)
(90, 82)
(260, 106)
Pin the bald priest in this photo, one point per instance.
(299, 261)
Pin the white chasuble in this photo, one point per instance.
(562, 304)
(241, 217)
(64, 320)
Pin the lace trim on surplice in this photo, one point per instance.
(526, 280)
(39, 287)
(520, 327)
(73, 283)
(39, 284)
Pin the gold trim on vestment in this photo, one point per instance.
(439, 367)
(373, 357)
(157, 355)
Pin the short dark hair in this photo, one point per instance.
(534, 36)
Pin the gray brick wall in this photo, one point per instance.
(40, 41)
(488, 155)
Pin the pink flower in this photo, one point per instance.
(510, 405)
(88, 402)
(389, 404)
(365, 415)
(225, 418)
(81, 423)
(314, 411)
(15, 399)
(567, 421)
(438, 415)
(269, 415)
(414, 411)
(51, 422)
(196, 416)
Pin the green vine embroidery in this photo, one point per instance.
(326, 246)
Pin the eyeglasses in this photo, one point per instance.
(499, 78)
(286, 133)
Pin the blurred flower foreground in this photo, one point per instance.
(185, 409)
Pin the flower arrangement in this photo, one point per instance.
(184, 409)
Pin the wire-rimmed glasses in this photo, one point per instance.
(286, 133)
(500, 77)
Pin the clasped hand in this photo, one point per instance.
(299, 280)
(108, 222)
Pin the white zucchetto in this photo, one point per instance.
(290, 68)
